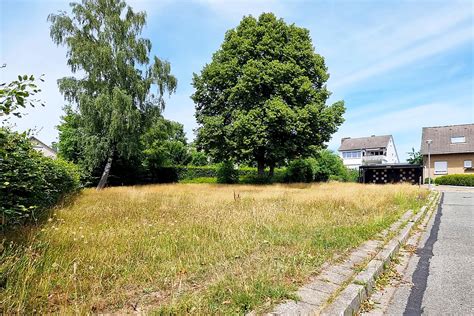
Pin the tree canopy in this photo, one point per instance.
(18, 94)
(263, 96)
(113, 95)
(164, 144)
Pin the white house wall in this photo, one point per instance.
(392, 156)
(352, 163)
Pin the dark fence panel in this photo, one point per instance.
(393, 173)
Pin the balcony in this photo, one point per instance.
(374, 160)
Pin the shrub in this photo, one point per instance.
(200, 180)
(301, 170)
(227, 173)
(29, 182)
(191, 172)
(330, 167)
(187, 173)
(352, 175)
(347, 175)
(456, 179)
(249, 175)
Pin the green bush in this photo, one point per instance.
(191, 172)
(347, 175)
(301, 170)
(200, 180)
(185, 174)
(352, 175)
(456, 179)
(329, 166)
(29, 182)
(249, 175)
(227, 173)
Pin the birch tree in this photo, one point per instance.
(114, 76)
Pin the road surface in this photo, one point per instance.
(439, 278)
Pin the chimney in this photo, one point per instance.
(343, 139)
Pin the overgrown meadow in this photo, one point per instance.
(190, 248)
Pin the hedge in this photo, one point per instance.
(186, 173)
(302, 170)
(456, 179)
(29, 182)
(191, 172)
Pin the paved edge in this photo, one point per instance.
(383, 297)
(335, 276)
(349, 300)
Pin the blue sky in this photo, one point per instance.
(398, 65)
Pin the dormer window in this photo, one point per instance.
(458, 139)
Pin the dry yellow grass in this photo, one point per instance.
(192, 248)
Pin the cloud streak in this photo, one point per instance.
(431, 47)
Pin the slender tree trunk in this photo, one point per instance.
(105, 174)
(261, 168)
(272, 170)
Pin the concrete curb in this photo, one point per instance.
(350, 299)
(336, 279)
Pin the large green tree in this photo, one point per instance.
(164, 144)
(263, 96)
(113, 94)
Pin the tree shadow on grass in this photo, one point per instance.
(21, 234)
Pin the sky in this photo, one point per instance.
(398, 65)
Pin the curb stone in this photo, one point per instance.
(337, 282)
(350, 299)
(382, 298)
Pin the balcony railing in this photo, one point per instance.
(374, 159)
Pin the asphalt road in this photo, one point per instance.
(440, 276)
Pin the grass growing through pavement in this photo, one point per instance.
(191, 248)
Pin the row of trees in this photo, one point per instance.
(261, 101)
(162, 143)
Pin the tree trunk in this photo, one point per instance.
(261, 168)
(105, 174)
(272, 170)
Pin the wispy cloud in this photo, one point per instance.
(234, 10)
(432, 47)
(390, 46)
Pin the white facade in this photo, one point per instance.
(354, 158)
(43, 148)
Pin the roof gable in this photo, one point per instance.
(441, 139)
(34, 139)
(365, 142)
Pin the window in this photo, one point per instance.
(468, 164)
(351, 154)
(458, 139)
(441, 167)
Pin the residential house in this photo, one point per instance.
(43, 148)
(356, 152)
(451, 149)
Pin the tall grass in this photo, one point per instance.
(191, 248)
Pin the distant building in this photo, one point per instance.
(372, 150)
(43, 148)
(451, 149)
